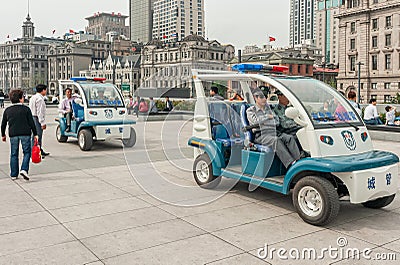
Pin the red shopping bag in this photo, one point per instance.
(36, 154)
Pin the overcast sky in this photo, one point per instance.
(237, 22)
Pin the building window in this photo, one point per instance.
(352, 44)
(388, 21)
(374, 86)
(375, 23)
(353, 27)
(388, 40)
(387, 85)
(374, 97)
(374, 41)
(387, 98)
(388, 61)
(374, 62)
(352, 63)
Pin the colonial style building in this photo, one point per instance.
(123, 71)
(169, 65)
(102, 23)
(65, 61)
(173, 20)
(369, 40)
(23, 62)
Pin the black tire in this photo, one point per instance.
(380, 202)
(85, 139)
(323, 196)
(203, 172)
(60, 138)
(132, 139)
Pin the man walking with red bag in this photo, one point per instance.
(20, 128)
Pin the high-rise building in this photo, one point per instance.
(102, 23)
(173, 20)
(369, 48)
(302, 21)
(327, 30)
(141, 20)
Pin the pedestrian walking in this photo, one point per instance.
(20, 128)
(38, 108)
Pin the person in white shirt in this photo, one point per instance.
(390, 115)
(371, 115)
(152, 106)
(38, 108)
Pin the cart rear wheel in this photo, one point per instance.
(132, 139)
(60, 138)
(316, 200)
(203, 172)
(85, 139)
(380, 202)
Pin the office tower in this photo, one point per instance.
(302, 21)
(141, 20)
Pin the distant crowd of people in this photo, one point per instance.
(140, 106)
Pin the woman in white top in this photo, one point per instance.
(390, 115)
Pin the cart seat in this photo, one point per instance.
(221, 124)
(78, 111)
(249, 134)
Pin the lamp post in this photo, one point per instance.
(359, 82)
(7, 87)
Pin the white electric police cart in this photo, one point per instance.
(341, 164)
(99, 113)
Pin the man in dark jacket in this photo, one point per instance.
(20, 128)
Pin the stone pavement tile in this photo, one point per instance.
(89, 210)
(13, 196)
(211, 204)
(133, 190)
(395, 203)
(150, 199)
(25, 222)
(52, 182)
(52, 164)
(91, 185)
(273, 230)
(121, 242)
(377, 256)
(118, 181)
(33, 239)
(318, 241)
(62, 254)
(350, 212)
(115, 222)
(17, 208)
(195, 250)
(82, 198)
(95, 263)
(229, 217)
(9, 186)
(378, 229)
(240, 259)
(106, 170)
(282, 204)
(395, 246)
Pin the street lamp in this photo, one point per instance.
(359, 82)
(7, 87)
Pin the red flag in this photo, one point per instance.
(271, 39)
(54, 31)
(71, 31)
(133, 49)
(165, 36)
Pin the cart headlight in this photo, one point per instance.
(92, 112)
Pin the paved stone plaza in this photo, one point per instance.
(89, 208)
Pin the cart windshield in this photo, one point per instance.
(100, 95)
(324, 105)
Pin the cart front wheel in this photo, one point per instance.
(316, 200)
(380, 202)
(85, 139)
(203, 172)
(60, 138)
(132, 139)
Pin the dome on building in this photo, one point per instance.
(194, 37)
